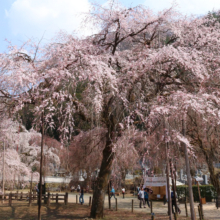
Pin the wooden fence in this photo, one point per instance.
(47, 198)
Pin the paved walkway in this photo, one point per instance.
(210, 210)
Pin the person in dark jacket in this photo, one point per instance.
(81, 199)
(174, 203)
(146, 197)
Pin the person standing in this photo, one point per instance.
(123, 192)
(141, 197)
(112, 193)
(36, 189)
(78, 188)
(146, 197)
(81, 199)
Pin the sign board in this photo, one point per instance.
(155, 181)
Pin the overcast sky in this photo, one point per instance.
(21, 20)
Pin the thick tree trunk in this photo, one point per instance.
(209, 157)
(213, 177)
(102, 181)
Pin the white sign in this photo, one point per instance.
(155, 181)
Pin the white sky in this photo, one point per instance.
(24, 19)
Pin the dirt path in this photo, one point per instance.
(210, 211)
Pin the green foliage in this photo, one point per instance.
(207, 191)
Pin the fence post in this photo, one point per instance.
(90, 200)
(21, 197)
(116, 204)
(175, 216)
(66, 198)
(186, 209)
(10, 198)
(76, 199)
(48, 199)
(56, 198)
(151, 207)
(30, 198)
(132, 205)
(17, 195)
(199, 211)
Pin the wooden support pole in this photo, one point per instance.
(48, 199)
(199, 211)
(186, 208)
(90, 201)
(151, 206)
(132, 205)
(30, 198)
(175, 216)
(57, 198)
(66, 198)
(76, 199)
(10, 199)
(116, 204)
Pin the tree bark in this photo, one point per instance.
(168, 183)
(41, 165)
(102, 181)
(3, 174)
(189, 178)
(173, 186)
(213, 177)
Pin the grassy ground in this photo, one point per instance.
(20, 210)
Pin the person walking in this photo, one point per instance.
(81, 199)
(112, 193)
(141, 197)
(174, 203)
(146, 197)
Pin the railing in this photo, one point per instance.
(33, 196)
